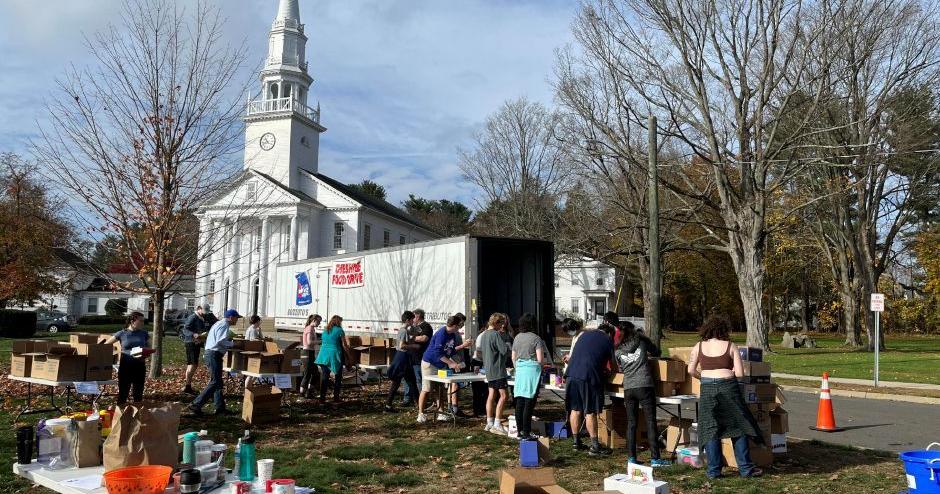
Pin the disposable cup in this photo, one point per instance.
(265, 470)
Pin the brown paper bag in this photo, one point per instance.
(142, 436)
(85, 440)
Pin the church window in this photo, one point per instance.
(386, 238)
(287, 90)
(402, 239)
(250, 192)
(366, 236)
(274, 90)
(339, 229)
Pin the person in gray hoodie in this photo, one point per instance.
(632, 356)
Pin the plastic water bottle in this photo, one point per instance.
(236, 472)
(693, 435)
(247, 465)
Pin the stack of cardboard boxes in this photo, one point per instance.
(263, 357)
(370, 350)
(763, 397)
(82, 359)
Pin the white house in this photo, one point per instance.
(281, 208)
(584, 287)
(87, 294)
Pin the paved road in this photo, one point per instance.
(876, 424)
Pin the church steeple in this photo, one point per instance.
(280, 121)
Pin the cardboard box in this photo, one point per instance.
(31, 346)
(236, 360)
(372, 355)
(291, 362)
(263, 362)
(60, 368)
(664, 388)
(529, 481)
(21, 364)
(354, 341)
(262, 404)
(99, 372)
(750, 354)
(668, 370)
(759, 393)
(756, 372)
(247, 345)
(691, 386)
(612, 427)
(683, 353)
(779, 421)
(678, 434)
(761, 456)
(61, 349)
(390, 355)
(100, 363)
(778, 443)
(86, 338)
(638, 480)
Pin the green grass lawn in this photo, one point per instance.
(907, 359)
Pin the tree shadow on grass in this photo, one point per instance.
(816, 457)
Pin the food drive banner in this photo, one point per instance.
(348, 273)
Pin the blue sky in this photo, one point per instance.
(402, 84)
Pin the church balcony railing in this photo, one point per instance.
(288, 23)
(280, 105)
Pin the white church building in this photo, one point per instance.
(281, 208)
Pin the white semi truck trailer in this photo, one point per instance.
(470, 274)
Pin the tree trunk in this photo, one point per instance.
(156, 360)
(850, 316)
(747, 255)
(804, 305)
(786, 310)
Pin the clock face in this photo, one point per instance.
(267, 141)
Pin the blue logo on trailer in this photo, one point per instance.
(304, 294)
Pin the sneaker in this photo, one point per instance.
(189, 390)
(442, 417)
(499, 430)
(222, 411)
(599, 451)
(422, 418)
(487, 427)
(194, 411)
(390, 409)
(757, 472)
(579, 446)
(460, 414)
(660, 463)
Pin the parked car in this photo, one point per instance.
(53, 321)
(173, 321)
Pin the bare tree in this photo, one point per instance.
(140, 139)
(879, 144)
(720, 75)
(520, 169)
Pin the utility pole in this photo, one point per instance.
(656, 283)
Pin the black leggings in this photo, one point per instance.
(311, 372)
(409, 376)
(325, 380)
(131, 373)
(525, 407)
(646, 398)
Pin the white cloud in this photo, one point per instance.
(402, 84)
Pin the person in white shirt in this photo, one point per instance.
(217, 343)
(254, 329)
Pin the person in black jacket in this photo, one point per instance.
(632, 358)
(195, 325)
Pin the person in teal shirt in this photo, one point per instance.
(333, 346)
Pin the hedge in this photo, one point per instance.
(116, 307)
(93, 320)
(17, 323)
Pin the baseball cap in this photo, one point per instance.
(231, 313)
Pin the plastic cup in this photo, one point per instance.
(265, 470)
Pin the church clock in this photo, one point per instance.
(267, 141)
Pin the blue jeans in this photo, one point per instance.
(216, 384)
(742, 453)
(406, 390)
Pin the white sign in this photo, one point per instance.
(877, 302)
(348, 273)
(86, 388)
(283, 381)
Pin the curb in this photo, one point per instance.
(924, 400)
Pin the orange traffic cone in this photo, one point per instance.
(825, 418)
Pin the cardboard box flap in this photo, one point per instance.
(292, 346)
(616, 379)
(271, 347)
(530, 477)
(61, 349)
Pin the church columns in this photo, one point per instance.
(235, 240)
(203, 274)
(293, 238)
(263, 283)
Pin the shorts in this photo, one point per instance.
(192, 353)
(498, 383)
(581, 396)
(427, 370)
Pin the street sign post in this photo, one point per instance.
(877, 306)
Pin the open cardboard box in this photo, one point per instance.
(667, 370)
(529, 481)
(262, 404)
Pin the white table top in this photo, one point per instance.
(59, 384)
(666, 400)
(52, 479)
(456, 378)
(373, 367)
